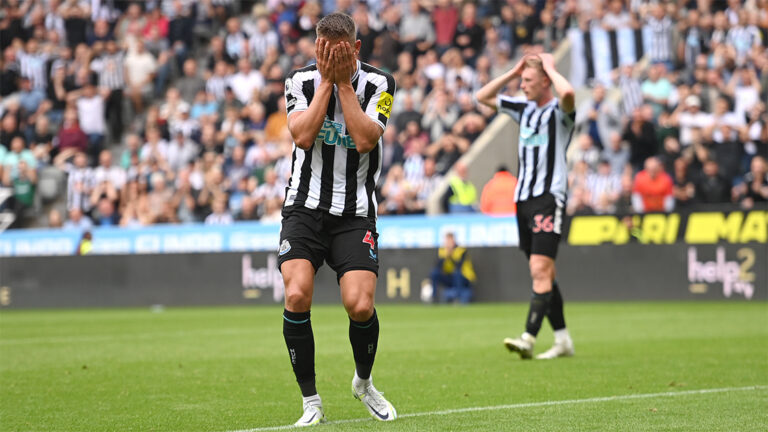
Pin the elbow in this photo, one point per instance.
(366, 146)
(569, 93)
(303, 142)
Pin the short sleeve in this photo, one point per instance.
(295, 99)
(513, 106)
(568, 120)
(379, 107)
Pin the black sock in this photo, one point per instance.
(555, 315)
(364, 337)
(537, 312)
(297, 331)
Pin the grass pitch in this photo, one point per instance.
(638, 366)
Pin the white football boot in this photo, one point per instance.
(313, 412)
(563, 347)
(374, 401)
(522, 345)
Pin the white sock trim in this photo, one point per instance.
(359, 382)
(312, 400)
(562, 335)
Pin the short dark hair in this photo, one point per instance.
(337, 26)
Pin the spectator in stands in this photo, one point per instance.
(498, 197)
(394, 192)
(754, 189)
(105, 213)
(683, 189)
(78, 221)
(454, 271)
(30, 98)
(711, 187)
(653, 189)
(660, 27)
(155, 147)
(417, 34)
(191, 82)
(461, 196)
(91, 110)
(55, 219)
(392, 151)
(604, 188)
(745, 89)
(446, 151)
(141, 67)
(23, 182)
(585, 152)
(263, 39)
(9, 131)
(18, 153)
(181, 151)
(641, 136)
(445, 18)
(245, 81)
(220, 214)
(157, 198)
(111, 70)
(106, 172)
(426, 185)
(689, 117)
(598, 117)
(657, 89)
(616, 153)
(469, 34)
(631, 90)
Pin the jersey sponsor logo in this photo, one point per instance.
(330, 134)
(529, 137)
(384, 105)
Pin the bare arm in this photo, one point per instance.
(305, 125)
(563, 88)
(365, 132)
(487, 94)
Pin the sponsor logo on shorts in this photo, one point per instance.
(285, 246)
(372, 255)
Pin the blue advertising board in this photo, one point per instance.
(395, 232)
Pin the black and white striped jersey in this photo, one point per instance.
(332, 176)
(545, 132)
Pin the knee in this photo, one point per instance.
(296, 300)
(360, 310)
(540, 270)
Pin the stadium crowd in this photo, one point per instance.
(168, 111)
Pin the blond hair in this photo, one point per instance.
(535, 63)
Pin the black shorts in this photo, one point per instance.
(540, 223)
(345, 242)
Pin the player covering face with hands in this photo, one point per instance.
(546, 126)
(337, 111)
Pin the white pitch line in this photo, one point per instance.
(532, 405)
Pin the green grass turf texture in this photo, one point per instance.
(226, 368)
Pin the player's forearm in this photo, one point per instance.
(563, 88)
(305, 126)
(365, 132)
(487, 94)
